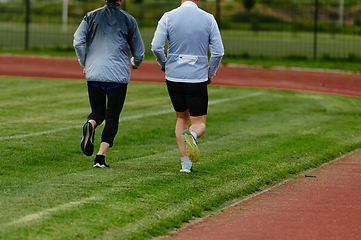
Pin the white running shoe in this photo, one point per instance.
(186, 167)
(192, 147)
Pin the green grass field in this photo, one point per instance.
(254, 138)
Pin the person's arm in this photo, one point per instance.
(216, 49)
(158, 42)
(79, 40)
(137, 48)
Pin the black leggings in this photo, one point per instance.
(109, 112)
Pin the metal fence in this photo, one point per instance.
(270, 28)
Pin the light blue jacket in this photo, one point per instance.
(190, 31)
(110, 34)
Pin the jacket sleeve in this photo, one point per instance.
(136, 47)
(216, 49)
(158, 42)
(80, 38)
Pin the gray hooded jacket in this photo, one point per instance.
(110, 34)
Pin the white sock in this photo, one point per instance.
(194, 135)
(186, 160)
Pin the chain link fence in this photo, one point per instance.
(269, 28)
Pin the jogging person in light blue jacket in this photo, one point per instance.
(189, 31)
(110, 34)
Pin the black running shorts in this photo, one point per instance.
(192, 96)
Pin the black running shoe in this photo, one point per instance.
(87, 145)
(99, 162)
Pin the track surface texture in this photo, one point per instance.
(323, 204)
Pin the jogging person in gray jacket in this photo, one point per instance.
(189, 31)
(110, 34)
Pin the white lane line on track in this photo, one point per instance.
(130, 117)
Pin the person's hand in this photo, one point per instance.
(133, 64)
(163, 69)
(83, 70)
(209, 81)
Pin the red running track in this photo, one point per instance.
(324, 205)
(315, 81)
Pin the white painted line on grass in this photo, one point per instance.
(122, 119)
(37, 134)
(48, 212)
(130, 117)
(235, 98)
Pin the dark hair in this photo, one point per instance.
(112, 0)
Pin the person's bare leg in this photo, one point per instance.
(182, 124)
(198, 125)
(93, 122)
(99, 160)
(104, 146)
(197, 128)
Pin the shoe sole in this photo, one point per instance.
(86, 143)
(97, 165)
(186, 170)
(192, 148)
